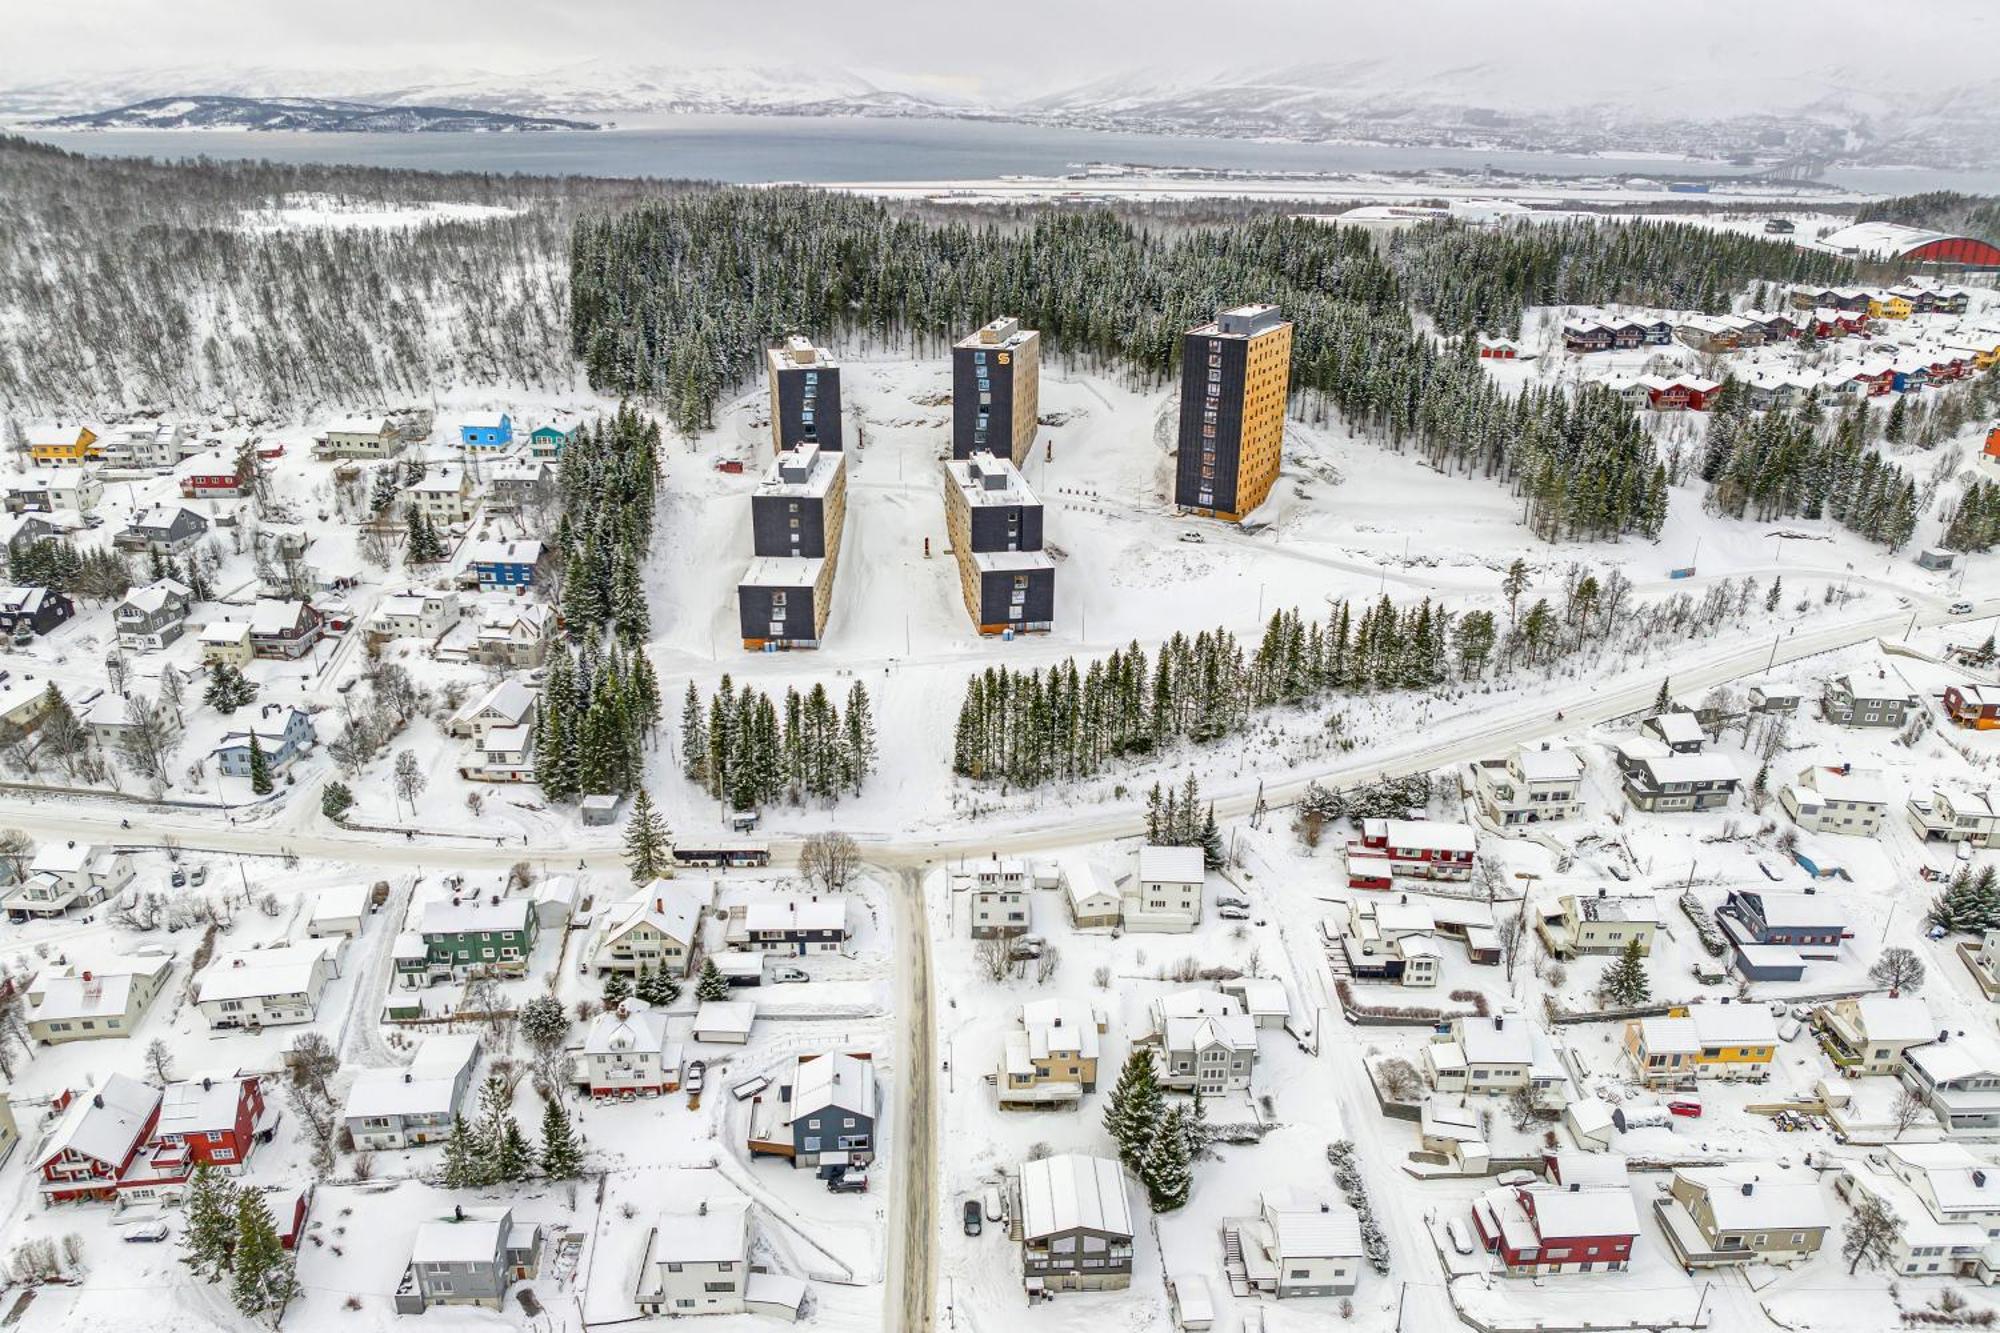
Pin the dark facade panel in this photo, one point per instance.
(1197, 350)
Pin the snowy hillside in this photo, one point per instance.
(211, 112)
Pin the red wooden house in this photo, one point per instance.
(1574, 1228)
(1412, 847)
(1700, 393)
(1667, 395)
(211, 473)
(1851, 321)
(97, 1139)
(217, 1121)
(1498, 349)
(1976, 706)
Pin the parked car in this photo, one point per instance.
(1461, 1235)
(697, 1073)
(141, 1233)
(854, 1180)
(991, 1202)
(198, 876)
(1961, 607)
(1516, 1178)
(1234, 913)
(974, 1222)
(1027, 946)
(777, 974)
(178, 879)
(1192, 536)
(1230, 900)
(1685, 1106)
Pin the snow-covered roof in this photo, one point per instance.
(1409, 916)
(717, 1231)
(1958, 1181)
(834, 1079)
(476, 1238)
(1887, 239)
(1059, 1026)
(255, 973)
(1303, 1227)
(340, 901)
(725, 1016)
(224, 631)
(1585, 1210)
(499, 551)
(1796, 909)
(668, 908)
(103, 1124)
(1547, 763)
(1852, 785)
(200, 1105)
(1084, 886)
(1678, 728)
(1195, 1002)
(108, 990)
(511, 699)
(825, 914)
(1963, 1057)
(483, 420)
(1733, 1024)
(1692, 768)
(1436, 835)
(63, 858)
(155, 596)
(426, 1086)
(1494, 1041)
(1261, 995)
(1237, 1032)
(1601, 1169)
(444, 916)
(1632, 907)
(359, 426)
(633, 1025)
(1669, 1036)
(1070, 1191)
(271, 616)
(1171, 865)
(1776, 1201)
(1903, 1018)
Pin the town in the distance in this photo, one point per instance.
(1425, 764)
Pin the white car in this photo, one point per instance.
(1190, 535)
(1461, 1235)
(1961, 607)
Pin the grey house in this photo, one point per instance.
(1842, 701)
(1657, 779)
(163, 530)
(152, 617)
(1075, 1224)
(824, 1115)
(469, 1258)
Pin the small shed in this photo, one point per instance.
(600, 809)
(338, 911)
(1933, 558)
(725, 1021)
(740, 967)
(1589, 1122)
(555, 902)
(1194, 1308)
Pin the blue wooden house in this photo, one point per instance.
(505, 564)
(548, 441)
(1908, 379)
(487, 430)
(283, 734)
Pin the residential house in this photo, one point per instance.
(1386, 941)
(469, 1258)
(57, 446)
(1297, 1246)
(1976, 706)
(1166, 894)
(511, 703)
(486, 430)
(548, 441)
(151, 445)
(284, 631)
(822, 1113)
(212, 474)
(46, 492)
(470, 933)
(515, 484)
(1721, 1041)
(1959, 1080)
(1498, 349)
(111, 718)
(29, 613)
(25, 533)
(1955, 814)
(1660, 781)
(1984, 963)
(282, 732)
(999, 893)
(1534, 784)
(1075, 1223)
(225, 643)
(168, 530)
(1207, 1043)
(1560, 1227)
(1585, 336)
(1740, 1214)
(403, 1107)
(627, 1053)
(1495, 1055)
(1836, 799)
(1050, 1059)
(66, 876)
(659, 930)
(214, 1120)
(1772, 936)
(1093, 905)
(338, 911)
(1456, 1131)
(96, 1139)
(513, 633)
(359, 437)
(1868, 1034)
(153, 617)
(697, 1262)
(260, 988)
(1418, 848)
(1263, 999)
(1953, 1189)
(71, 1002)
(1844, 702)
(1600, 923)
(502, 563)
(10, 1133)
(421, 613)
(788, 926)
(443, 495)
(1923, 1245)
(1679, 731)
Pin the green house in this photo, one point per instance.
(462, 934)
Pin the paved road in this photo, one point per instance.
(912, 1279)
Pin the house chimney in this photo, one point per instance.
(1576, 1187)
(1979, 1179)
(86, 974)
(458, 1212)
(701, 1210)
(1499, 1022)
(207, 1084)
(660, 905)
(1748, 1187)
(408, 1077)
(97, 1100)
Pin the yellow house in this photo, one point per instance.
(59, 445)
(1885, 305)
(1734, 1041)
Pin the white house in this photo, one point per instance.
(724, 1022)
(999, 893)
(697, 1262)
(1836, 799)
(1496, 1055)
(1534, 784)
(627, 1053)
(1206, 1042)
(339, 910)
(1166, 894)
(660, 929)
(251, 988)
(67, 875)
(1298, 1246)
(417, 1103)
(1093, 905)
(91, 1001)
(511, 703)
(420, 613)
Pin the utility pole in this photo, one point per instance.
(1910, 628)
(1401, 1292)
(1776, 639)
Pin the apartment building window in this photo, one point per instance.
(777, 599)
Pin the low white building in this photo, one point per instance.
(698, 1262)
(1093, 904)
(627, 1053)
(1166, 894)
(92, 1001)
(251, 988)
(1206, 1041)
(420, 613)
(67, 875)
(725, 1022)
(1837, 799)
(1298, 1246)
(403, 1107)
(1534, 784)
(338, 910)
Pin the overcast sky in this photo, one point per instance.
(983, 49)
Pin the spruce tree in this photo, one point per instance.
(261, 1270)
(210, 1233)
(260, 768)
(655, 987)
(512, 1157)
(562, 1157)
(860, 737)
(711, 985)
(463, 1167)
(1133, 1112)
(617, 987)
(1212, 857)
(1664, 699)
(648, 843)
(1625, 981)
(694, 737)
(1164, 1168)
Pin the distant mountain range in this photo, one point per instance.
(1833, 115)
(208, 111)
